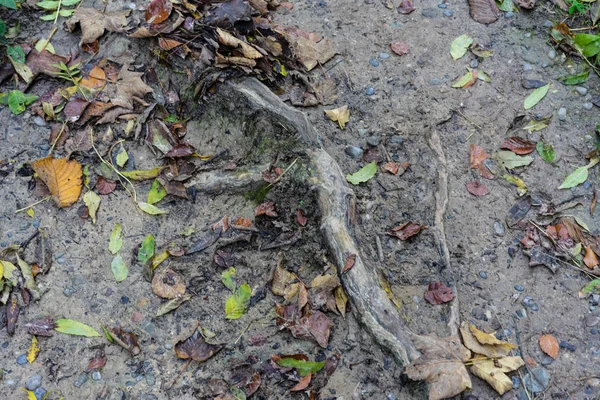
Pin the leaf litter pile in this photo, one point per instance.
(99, 110)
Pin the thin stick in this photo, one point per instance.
(31, 205)
(587, 28)
(468, 119)
(187, 364)
(62, 129)
(48, 40)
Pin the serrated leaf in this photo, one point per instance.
(460, 45)
(537, 125)
(304, 367)
(122, 157)
(118, 268)
(150, 209)
(157, 192)
(116, 240)
(574, 79)
(535, 96)
(237, 304)
(146, 249)
(364, 174)
(76, 328)
(34, 350)
(510, 160)
(92, 201)
(227, 277)
(546, 151)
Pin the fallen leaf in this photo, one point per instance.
(319, 326)
(30, 394)
(477, 188)
(105, 186)
(92, 201)
(122, 157)
(340, 115)
(483, 11)
(349, 262)
(400, 48)
(97, 362)
(238, 303)
(494, 372)
(549, 345)
(395, 168)
(116, 239)
(146, 250)
(406, 7)
(34, 350)
(62, 177)
(118, 268)
(518, 145)
(196, 348)
(312, 53)
(302, 384)
(593, 202)
(484, 343)
(341, 300)
(94, 80)
(172, 304)
(12, 315)
(224, 259)
(227, 277)
(281, 279)
(181, 150)
(407, 230)
(546, 151)
(93, 23)
(157, 192)
(228, 39)
(467, 80)
(41, 326)
(535, 96)
(441, 365)
(438, 293)
(72, 327)
(387, 288)
(299, 362)
(127, 340)
(301, 217)
(521, 186)
(130, 87)
(150, 209)
(460, 45)
(590, 259)
(158, 11)
(168, 284)
(578, 176)
(266, 208)
(510, 160)
(363, 175)
(477, 157)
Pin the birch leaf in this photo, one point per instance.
(116, 241)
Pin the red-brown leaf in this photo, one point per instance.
(301, 218)
(407, 230)
(549, 345)
(406, 7)
(518, 145)
(267, 208)
(196, 348)
(105, 186)
(477, 157)
(438, 293)
(41, 326)
(181, 150)
(477, 188)
(590, 259)
(224, 259)
(302, 384)
(272, 176)
(97, 362)
(158, 11)
(127, 340)
(349, 263)
(399, 48)
(372, 154)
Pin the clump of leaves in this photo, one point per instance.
(17, 101)
(577, 7)
(56, 8)
(72, 74)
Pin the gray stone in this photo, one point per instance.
(527, 67)
(591, 320)
(521, 313)
(39, 121)
(581, 90)
(562, 114)
(448, 13)
(40, 393)
(587, 105)
(499, 228)
(396, 139)
(96, 375)
(33, 382)
(537, 380)
(81, 380)
(547, 360)
(69, 290)
(474, 63)
(22, 359)
(150, 379)
(374, 141)
(430, 12)
(435, 82)
(353, 151)
(552, 54)
(548, 24)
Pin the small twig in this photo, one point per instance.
(468, 119)
(62, 129)
(187, 364)
(586, 28)
(26, 242)
(49, 38)
(213, 158)
(31, 205)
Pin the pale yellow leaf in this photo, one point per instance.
(340, 115)
(493, 372)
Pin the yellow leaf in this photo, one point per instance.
(34, 350)
(228, 39)
(518, 182)
(340, 300)
(341, 115)
(385, 285)
(92, 201)
(96, 79)
(62, 177)
(30, 212)
(493, 372)
(159, 258)
(43, 44)
(30, 394)
(483, 343)
(489, 338)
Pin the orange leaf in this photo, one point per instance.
(96, 79)
(168, 44)
(303, 384)
(62, 177)
(590, 259)
(549, 345)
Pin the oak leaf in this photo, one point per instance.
(62, 177)
(93, 23)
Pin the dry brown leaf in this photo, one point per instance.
(311, 53)
(62, 177)
(130, 87)
(223, 62)
(93, 23)
(168, 284)
(477, 157)
(168, 44)
(340, 115)
(494, 372)
(302, 384)
(228, 39)
(590, 259)
(549, 345)
(441, 365)
(472, 338)
(96, 79)
(281, 279)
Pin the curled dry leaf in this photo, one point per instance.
(518, 145)
(494, 372)
(484, 343)
(438, 293)
(266, 208)
(340, 115)
(196, 348)
(127, 340)
(282, 278)
(590, 259)
(477, 157)
(549, 345)
(477, 188)
(105, 186)
(302, 384)
(62, 177)
(93, 23)
(228, 39)
(349, 263)
(407, 230)
(168, 284)
(97, 362)
(130, 87)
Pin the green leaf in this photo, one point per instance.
(304, 367)
(122, 157)
(546, 151)
(49, 5)
(49, 17)
(459, 46)
(535, 96)
(510, 160)
(589, 45)
(18, 101)
(157, 192)
(92, 201)
(577, 177)
(9, 4)
(590, 287)
(66, 13)
(484, 76)
(574, 79)
(142, 175)
(150, 209)
(172, 304)
(364, 174)
(146, 250)
(2, 27)
(463, 80)
(119, 269)
(16, 53)
(43, 44)
(537, 125)
(107, 334)
(227, 277)
(238, 303)
(507, 6)
(116, 241)
(68, 3)
(72, 327)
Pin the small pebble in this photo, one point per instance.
(499, 228)
(474, 63)
(149, 396)
(81, 380)
(587, 185)
(353, 151)
(548, 24)
(509, 14)
(587, 105)
(374, 62)
(36, 223)
(534, 307)
(39, 121)
(527, 301)
(370, 91)
(581, 90)
(44, 146)
(516, 382)
(594, 331)
(33, 382)
(429, 13)
(567, 345)
(442, 6)
(384, 56)
(448, 13)
(69, 290)
(40, 393)
(547, 360)
(374, 141)
(483, 274)
(397, 139)
(552, 54)
(539, 383)
(591, 320)
(519, 288)
(416, 299)
(521, 313)
(124, 300)
(130, 383)
(527, 67)
(96, 375)
(150, 379)
(527, 35)
(168, 346)
(61, 261)
(435, 81)
(391, 396)
(22, 359)
(562, 114)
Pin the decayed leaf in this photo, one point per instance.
(438, 293)
(196, 348)
(300, 362)
(400, 48)
(29, 283)
(477, 157)
(146, 249)
(590, 259)
(477, 188)
(62, 177)
(341, 115)
(92, 201)
(302, 384)
(363, 175)
(227, 277)
(537, 125)
(467, 80)
(494, 372)
(238, 303)
(130, 87)
(460, 45)
(228, 39)
(521, 186)
(116, 239)
(441, 365)
(549, 345)
(72, 327)
(387, 288)
(301, 217)
(97, 362)
(483, 343)
(127, 340)
(281, 279)
(93, 23)
(168, 284)
(41, 326)
(172, 304)
(349, 262)
(546, 151)
(535, 96)
(158, 11)
(406, 230)
(341, 300)
(34, 350)
(311, 53)
(12, 315)
(266, 208)
(406, 7)
(518, 145)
